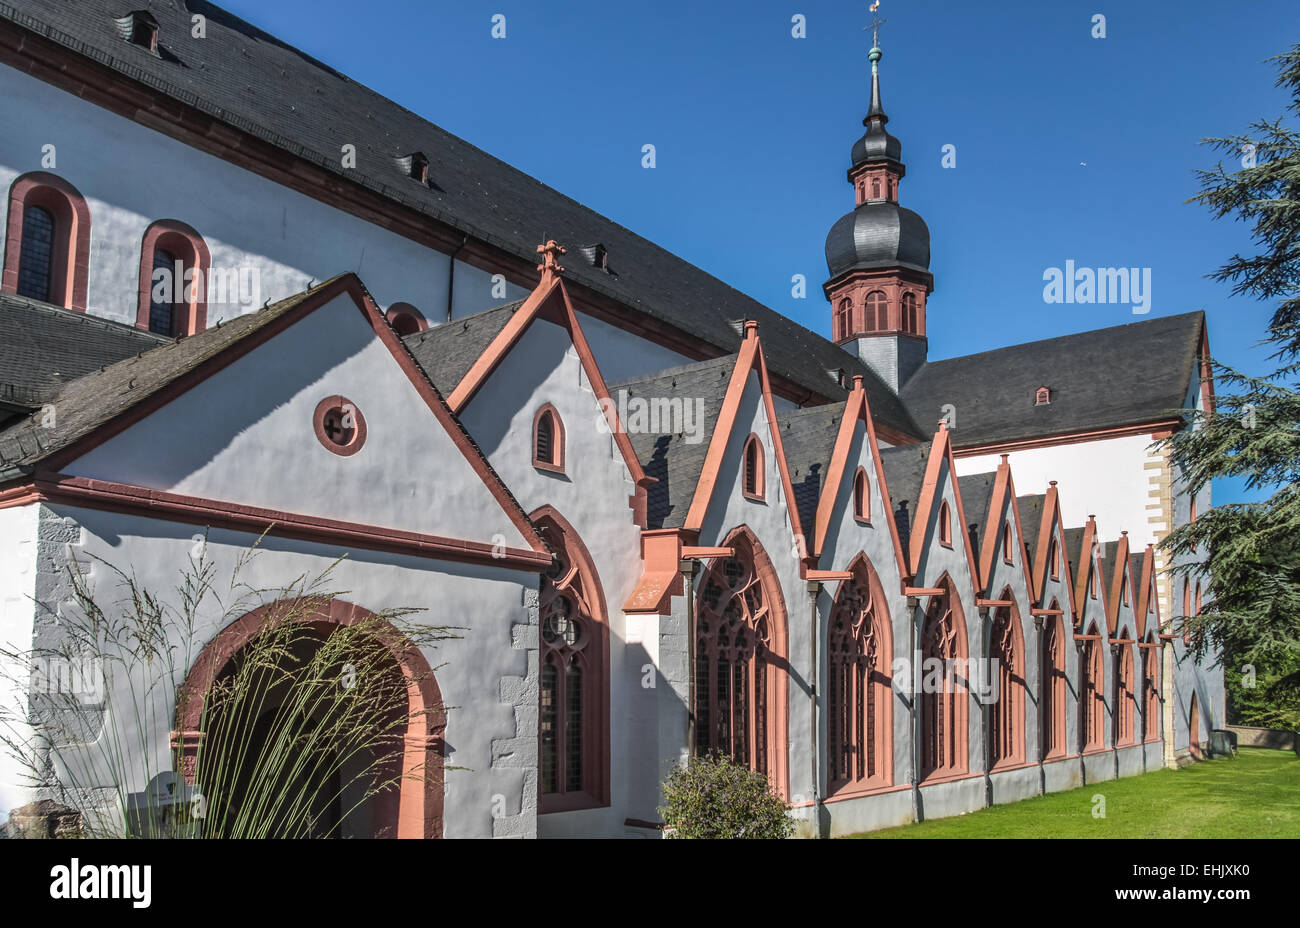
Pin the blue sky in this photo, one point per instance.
(1068, 146)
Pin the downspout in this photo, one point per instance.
(986, 635)
(1079, 712)
(1044, 681)
(451, 274)
(1114, 707)
(688, 568)
(814, 593)
(912, 605)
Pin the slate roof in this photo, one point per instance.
(90, 401)
(265, 87)
(448, 351)
(904, 468)
(1123, 375)
(808, 437)
(1074, 550)
(45, 347)
(976, 497)
(1031, 521)
(671, 458)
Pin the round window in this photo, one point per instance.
(339, 425)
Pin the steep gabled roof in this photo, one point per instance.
(1031, 517)
(809, 437)
(262, 86)
(448, 351)
(45, 347)
(1108, 378)
(976, 499)
(904, 469)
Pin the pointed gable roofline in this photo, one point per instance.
(1004, 492)
(550, 300)
(857, 408)
(940, 451)
(1051, 523)
(1119, 574)
(1146, 598)
(92, 411)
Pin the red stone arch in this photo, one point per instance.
(1126, 696)
(945, 710)
(70, 267)
(1151, 715)
(1092, 699)
(191, 250)
(1007, 718)
(859, 687)
(419, 799)
(1052, 669)
(766, 673)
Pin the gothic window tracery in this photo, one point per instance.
(858, 687)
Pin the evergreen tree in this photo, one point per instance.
(1252, 550)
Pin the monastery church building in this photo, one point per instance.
(666, 519)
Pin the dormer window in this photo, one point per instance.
(1042, 397)
(140, 28)
(417, 167)
(754, 463)
(945, 525)
(548, 440)
(861, 496)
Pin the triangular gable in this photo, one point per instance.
(1004, 498)
(1146, 603)
(839, 476)
(179, 375)
(927, 508)
(1091, 553)
(1120, 574)
(550, 300)
(750, 360)
(1051, 527)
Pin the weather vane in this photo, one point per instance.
(876, 23)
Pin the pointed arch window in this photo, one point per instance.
(1008, 547)
(47, 241)
(861, 496)
(843, 324)
(1054, 687)
(1053, 559)
(1007, 718)
(877, 311)
(754, 467)
(548, 440)
(909, 313)
(859, 704)
(1093, 701)
(573, 683)
(944, 699)
(740, 662)
(1125, 732)
(174, 266)
(1151, 721)
(945, 524)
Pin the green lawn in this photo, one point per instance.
(1253, 795)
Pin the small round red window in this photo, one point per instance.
(340, 427)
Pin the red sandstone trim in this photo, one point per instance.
(1070, 438)
(556, 464)
(189, 247)
(349, 408)
(70, 265)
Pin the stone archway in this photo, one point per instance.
(415, 809)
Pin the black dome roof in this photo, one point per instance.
(876, 145)
(878, 234)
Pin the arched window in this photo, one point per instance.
(1192, 515)
(945, 524)
(877, 311)
(573, 687)
(843, 325)
(1007, 718)
(1093, 701)
(859, 655)
(1151, 721)
(1053, 559)
(548, 440)
(174, 267)
(406, 319)
(1187, 596)
(754, 466)
(909, 312)
(740, 661)
(1007, 545)
(944, 698)
(875, 188)
(1092, 579)
(1125, 696)
(47, 241)
(1053, 663)
(1197, 604)
(861, 496)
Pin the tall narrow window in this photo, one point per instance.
(1092, 579)
(1125, 696)
(1007, 719)
(1008, 548)
(943, 704)
(861, 496)
(842, 323)
(945, 524)
(47, 241)
(1151, 722)
(1053, 559)
(1197, 604)
(548, 440)
(1093, 700)
(754, 465)
(909, 312)
(573, 732)
(877, 311)
(174, 266)
(858, 697)
(875, 188)
(1053, 686)
(740, 668)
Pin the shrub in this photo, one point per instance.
(711, 797)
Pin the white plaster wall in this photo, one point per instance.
(246, 220)
(18, 549)
(592, 495)
(488, 677)
(1103, 477)
(246, 435)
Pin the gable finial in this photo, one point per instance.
(550, 253)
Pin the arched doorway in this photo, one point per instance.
(313, 717)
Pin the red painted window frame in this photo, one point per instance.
(1054, 687)
(1092, 704)
(862, 496)
(945, 524)
(70, 271)
(183, 241)
(1008, 548)
(1125, 731)
(555, 464)
(875, 311)
(403, 312)
(753, 469)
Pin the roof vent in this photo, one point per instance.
(1042, 396)
(415, 166)
(139, 28)
(597, 256)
